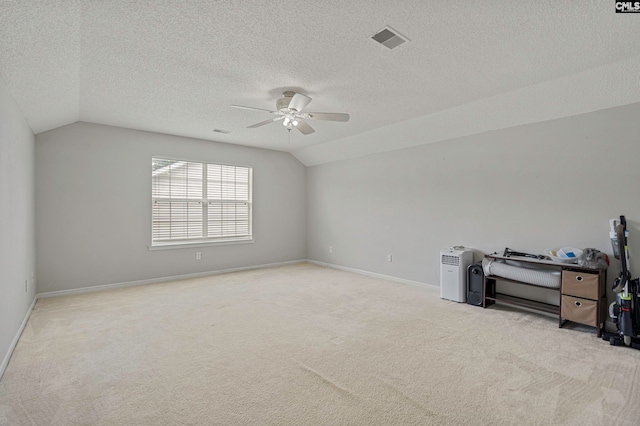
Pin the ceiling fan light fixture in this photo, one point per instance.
(294, 122)
(286, 121)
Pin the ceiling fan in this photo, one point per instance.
(289, 109)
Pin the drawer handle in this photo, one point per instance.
(578, 304)
(579, 278)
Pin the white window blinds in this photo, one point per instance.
(199, 202)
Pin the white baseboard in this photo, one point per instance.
(161, 280)
(7, 357)
(374, 274)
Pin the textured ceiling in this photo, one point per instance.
(175, 67)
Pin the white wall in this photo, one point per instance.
(529, 187)
(17, 220)
(94, 207)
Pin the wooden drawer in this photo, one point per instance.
(580, 284)
(584, 311)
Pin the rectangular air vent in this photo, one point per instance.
(450, 260)
(221, 131)
(389, 37)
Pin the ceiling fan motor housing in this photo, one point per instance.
(282, 104)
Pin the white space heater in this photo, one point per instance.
(454, 262)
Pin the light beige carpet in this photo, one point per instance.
(304, 345)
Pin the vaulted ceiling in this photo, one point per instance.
(176, 67)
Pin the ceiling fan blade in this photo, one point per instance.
(254, 109)
(329, 116)
(262, 123)
(304, 128)
(299, 101)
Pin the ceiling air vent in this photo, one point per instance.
(222, 131)
(389, 37)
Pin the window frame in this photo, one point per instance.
(203, 241)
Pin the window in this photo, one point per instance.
(199, 202)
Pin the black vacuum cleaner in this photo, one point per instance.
(625, 311)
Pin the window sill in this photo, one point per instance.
(182, 244)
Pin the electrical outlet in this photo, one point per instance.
(198, 255)
(330, 249)
(389, 258)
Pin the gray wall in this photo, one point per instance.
(94, 207)
(17, 213)
(530, 188)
